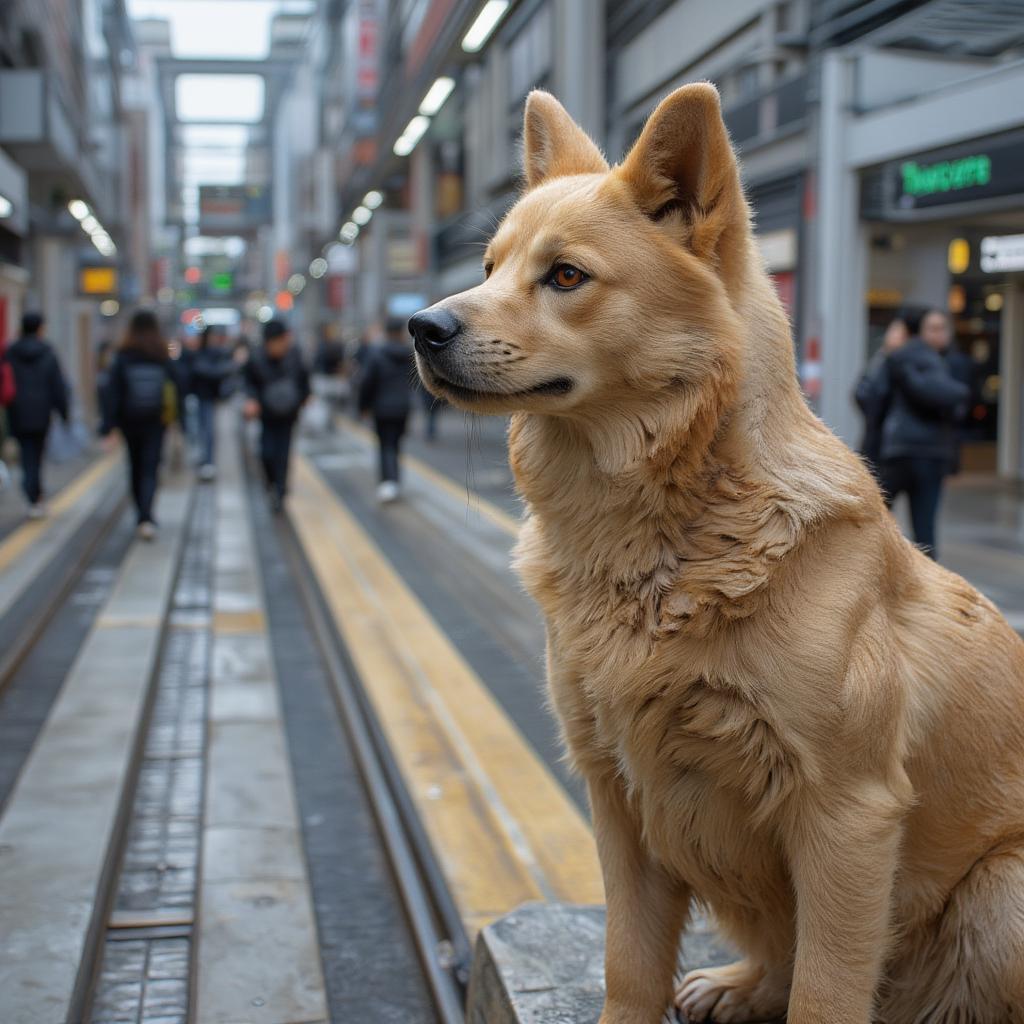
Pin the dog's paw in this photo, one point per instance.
(740, 993)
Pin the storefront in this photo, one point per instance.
(919, 197)
(943, 228)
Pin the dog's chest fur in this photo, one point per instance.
(650, 684)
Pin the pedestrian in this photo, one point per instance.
(210, 369)
(386, 392)
(918, 446)
(872, 392)
(39, 392)
(144, 400)
(277, 385)
(105, 353)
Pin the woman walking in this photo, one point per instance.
(143, 400)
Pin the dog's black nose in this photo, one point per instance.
(434, 329)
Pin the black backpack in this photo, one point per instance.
(144, 391)
(281, 396)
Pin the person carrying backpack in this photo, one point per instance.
(209, 371)
(143, 400)
(277, 386)
(39, 391)
(386, 392)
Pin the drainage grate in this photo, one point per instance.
(145, 972)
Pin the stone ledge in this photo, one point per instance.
(544, 964)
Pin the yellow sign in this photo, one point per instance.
(958, 255)
(97, 280)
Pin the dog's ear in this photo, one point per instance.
(683, 166)
(554, 145)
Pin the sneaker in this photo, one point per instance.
(207, 472)
(387, 491)
(37, 511)
(147, 531)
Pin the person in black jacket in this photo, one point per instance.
(210, 367)
(918, 448)
(872, 393)
(143, 399)
(277, 385)
(40, 391)
(386, 391)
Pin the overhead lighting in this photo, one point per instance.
(349, 232)
(296, 283)
(109, 307)
(265, 313)
(92, 227)
(486, 22)
(318, 268)
(6, 207)
(436, 95)
(413, 133)
(361, 215)
(373, 199)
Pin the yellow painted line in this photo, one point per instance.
(239, 622)
(21, 539)
(498, 516)
(502, 826)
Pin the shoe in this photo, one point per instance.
(387, 491)
(207, 472)
(37, 511)
(147, 531)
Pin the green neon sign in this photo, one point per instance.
(945, 176)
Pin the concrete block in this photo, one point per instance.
(260, 962)
(242, 853)
(249, 781)
(544, 964)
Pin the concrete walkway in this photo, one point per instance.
(257, 951)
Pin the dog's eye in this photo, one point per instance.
(488, 267)
(566, 277)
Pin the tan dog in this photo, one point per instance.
(782, 709)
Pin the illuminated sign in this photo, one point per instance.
(97, 280)
(946, 175)
(1000, 253)
(984, 169)
(233, 208)
(222, 282)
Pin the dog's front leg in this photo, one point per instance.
(843, 860)
(646, 913)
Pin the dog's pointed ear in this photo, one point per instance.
(554, 145)
(683, 163)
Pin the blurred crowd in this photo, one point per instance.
(160, 395)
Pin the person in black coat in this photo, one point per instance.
(210, 367)
(385, 391)
(277, 386)
(872, 393)
(919, 440)
(143, 399)
(40, 391)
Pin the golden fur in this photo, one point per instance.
(782, 709)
